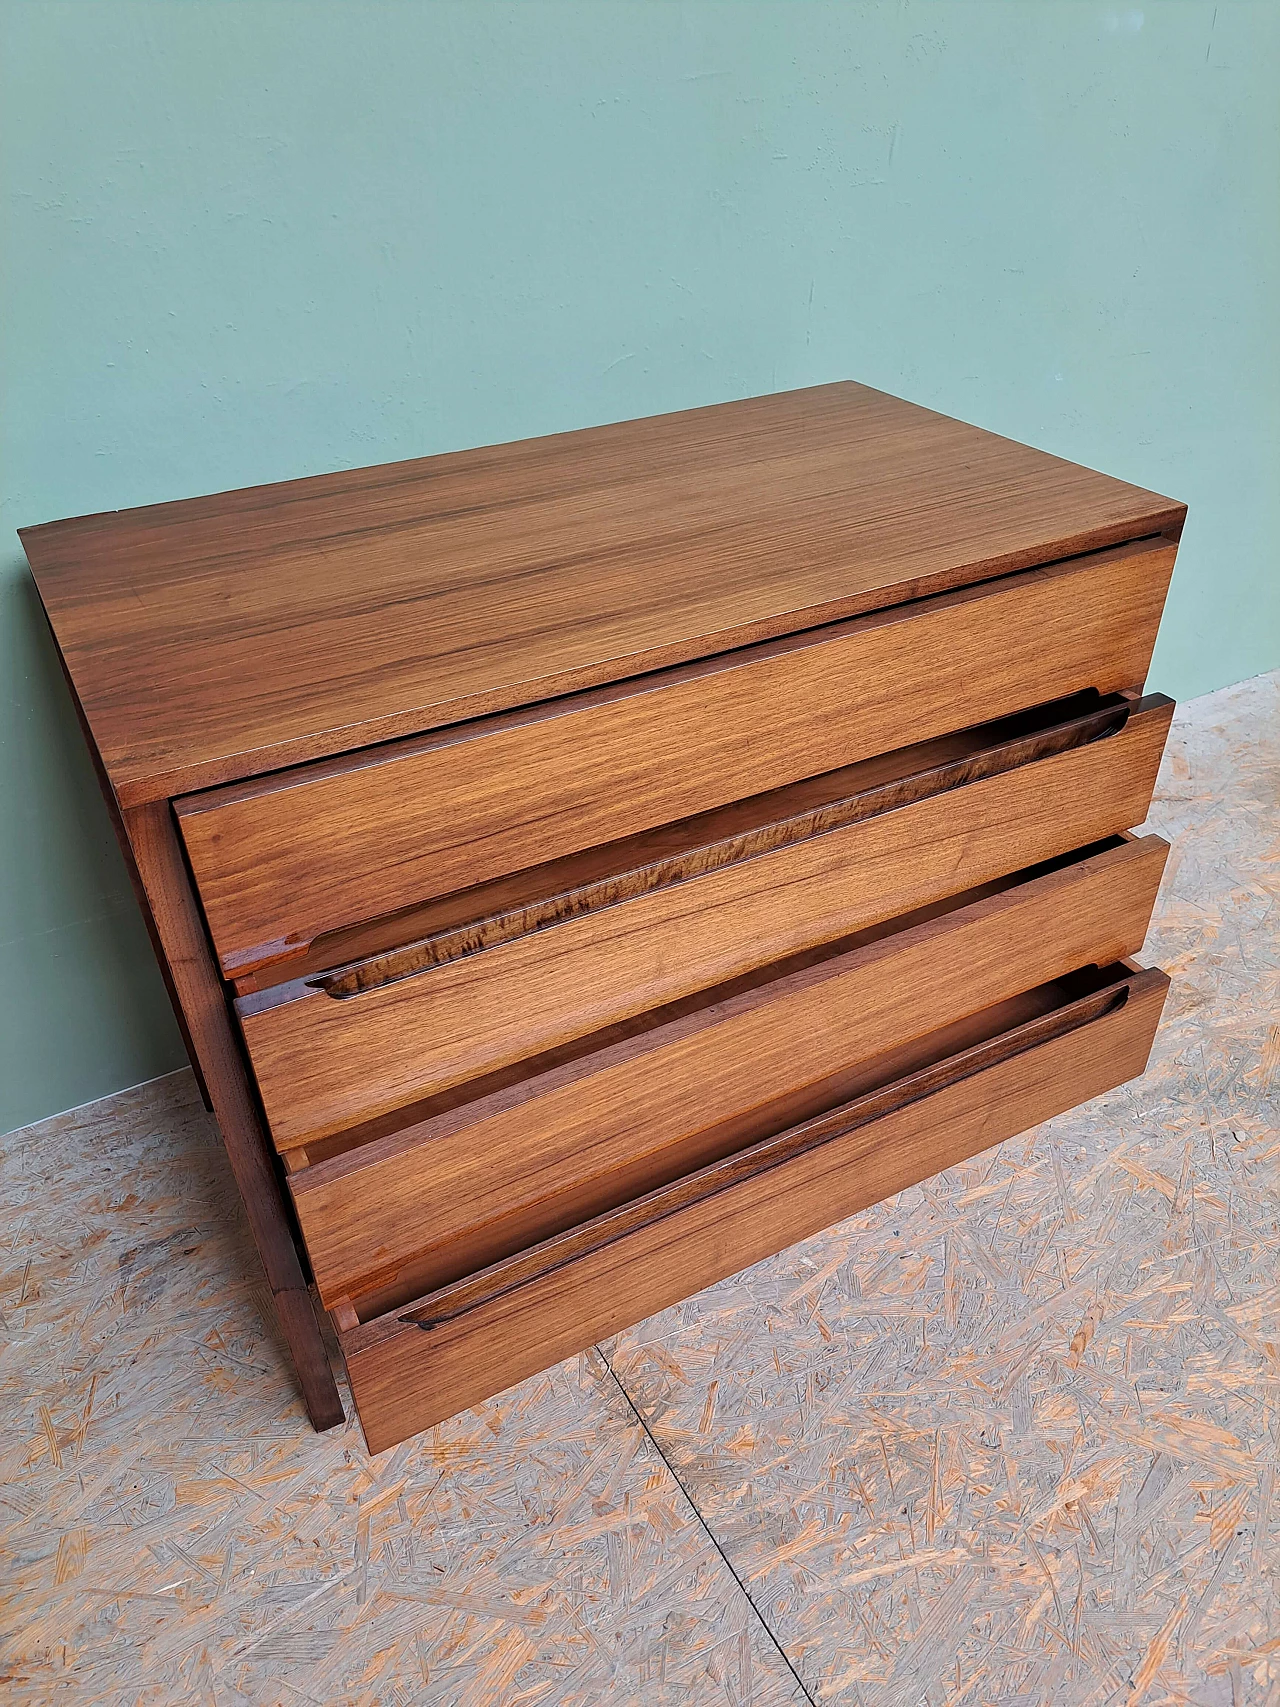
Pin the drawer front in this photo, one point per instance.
(417, 1365)
(454, 1192)
(332, 1053)
(286, 859)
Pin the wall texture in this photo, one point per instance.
(242, 241)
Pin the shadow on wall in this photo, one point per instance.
(72, 941)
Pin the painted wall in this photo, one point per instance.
(246, 241)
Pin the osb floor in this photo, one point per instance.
(1012, 1437)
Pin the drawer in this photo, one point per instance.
(416, 1364)
(286, 859)
(466, 1186)
(600, 938)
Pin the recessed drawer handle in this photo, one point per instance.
(487, 932)
(512, 1272)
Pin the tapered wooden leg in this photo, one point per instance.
(179, 931)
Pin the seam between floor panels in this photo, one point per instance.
(705, 1527)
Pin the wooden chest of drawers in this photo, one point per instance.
(583, 867)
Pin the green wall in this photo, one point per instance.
(246, 241)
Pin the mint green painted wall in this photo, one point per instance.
(246, 241)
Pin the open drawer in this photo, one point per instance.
(426, 1358)
(285, 859)
(510, 970)
(577, 1134)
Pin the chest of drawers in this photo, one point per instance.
(583, 867)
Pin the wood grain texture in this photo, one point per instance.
(284, 860)
(404, 1379)
(445, 1197)
(446, 926)
(625, 944)
(489, 914)
(363, 606)
(158, 858)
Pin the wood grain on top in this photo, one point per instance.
(222, 637)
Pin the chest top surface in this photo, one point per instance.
(226, 636)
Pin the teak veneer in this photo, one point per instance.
(581, 867)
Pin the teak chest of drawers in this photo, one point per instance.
(583, 867)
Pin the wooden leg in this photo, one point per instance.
(179, 931)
